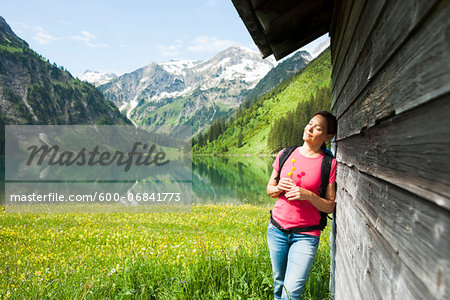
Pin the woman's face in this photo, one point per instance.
(315, 132)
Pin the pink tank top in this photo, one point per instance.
(300, 213)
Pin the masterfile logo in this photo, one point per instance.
(123, 165)
(91, 158)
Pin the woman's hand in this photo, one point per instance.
(285, 184)
(297, 193)
(293, 192)
(274, 189)
(322, 204)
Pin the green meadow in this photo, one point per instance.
(214, 252)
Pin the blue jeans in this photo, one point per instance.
(292, 256)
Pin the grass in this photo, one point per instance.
(215, 252)
(11, 49)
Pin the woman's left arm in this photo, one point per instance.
(326, 204)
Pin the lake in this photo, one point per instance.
(222, 180)
(235, 179)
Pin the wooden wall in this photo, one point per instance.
(391, 84)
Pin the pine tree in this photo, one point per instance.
(240, 138)
(201, 141)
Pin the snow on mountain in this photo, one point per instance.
(237, 63)
(97, 78)
(176, 66)
(286, 68)
(219, 81)
(307, 57)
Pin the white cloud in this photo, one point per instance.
(178, 42)
(171, 50)
(85, 36)
(317, 46)
(211, 3)
(63, 22)
(39, 34)
(320, 48)
(209, 44)
(199, 44)
(43, 37)
(88, 39)
(98, 45)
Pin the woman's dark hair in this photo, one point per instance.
(331, 123)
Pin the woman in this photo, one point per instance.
(299, 205)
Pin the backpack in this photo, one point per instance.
(325, 170)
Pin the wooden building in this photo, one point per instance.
(391, 84)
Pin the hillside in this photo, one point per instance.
(248, 130)
(284, 70)
(33, 91)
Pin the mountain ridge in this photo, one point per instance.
(97, 78)
(193, 92)
(33, 91)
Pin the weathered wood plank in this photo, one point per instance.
(419, 72)
(353, 23)
(361, 27)
(345, 280)
(394, 27)
(407, 234)
(350, 253)
(411, 150)
(332, 31)
(371, 262)
(341, 14)
(354, 253)
(375, 266)
(367, 259)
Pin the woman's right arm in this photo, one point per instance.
(272, 187)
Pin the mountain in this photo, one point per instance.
(33, 91)
(287, 68)
(188, 92)
(97, 78)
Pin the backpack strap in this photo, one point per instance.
(325, 170)
(283, 157)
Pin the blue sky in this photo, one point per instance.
(122, 36)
